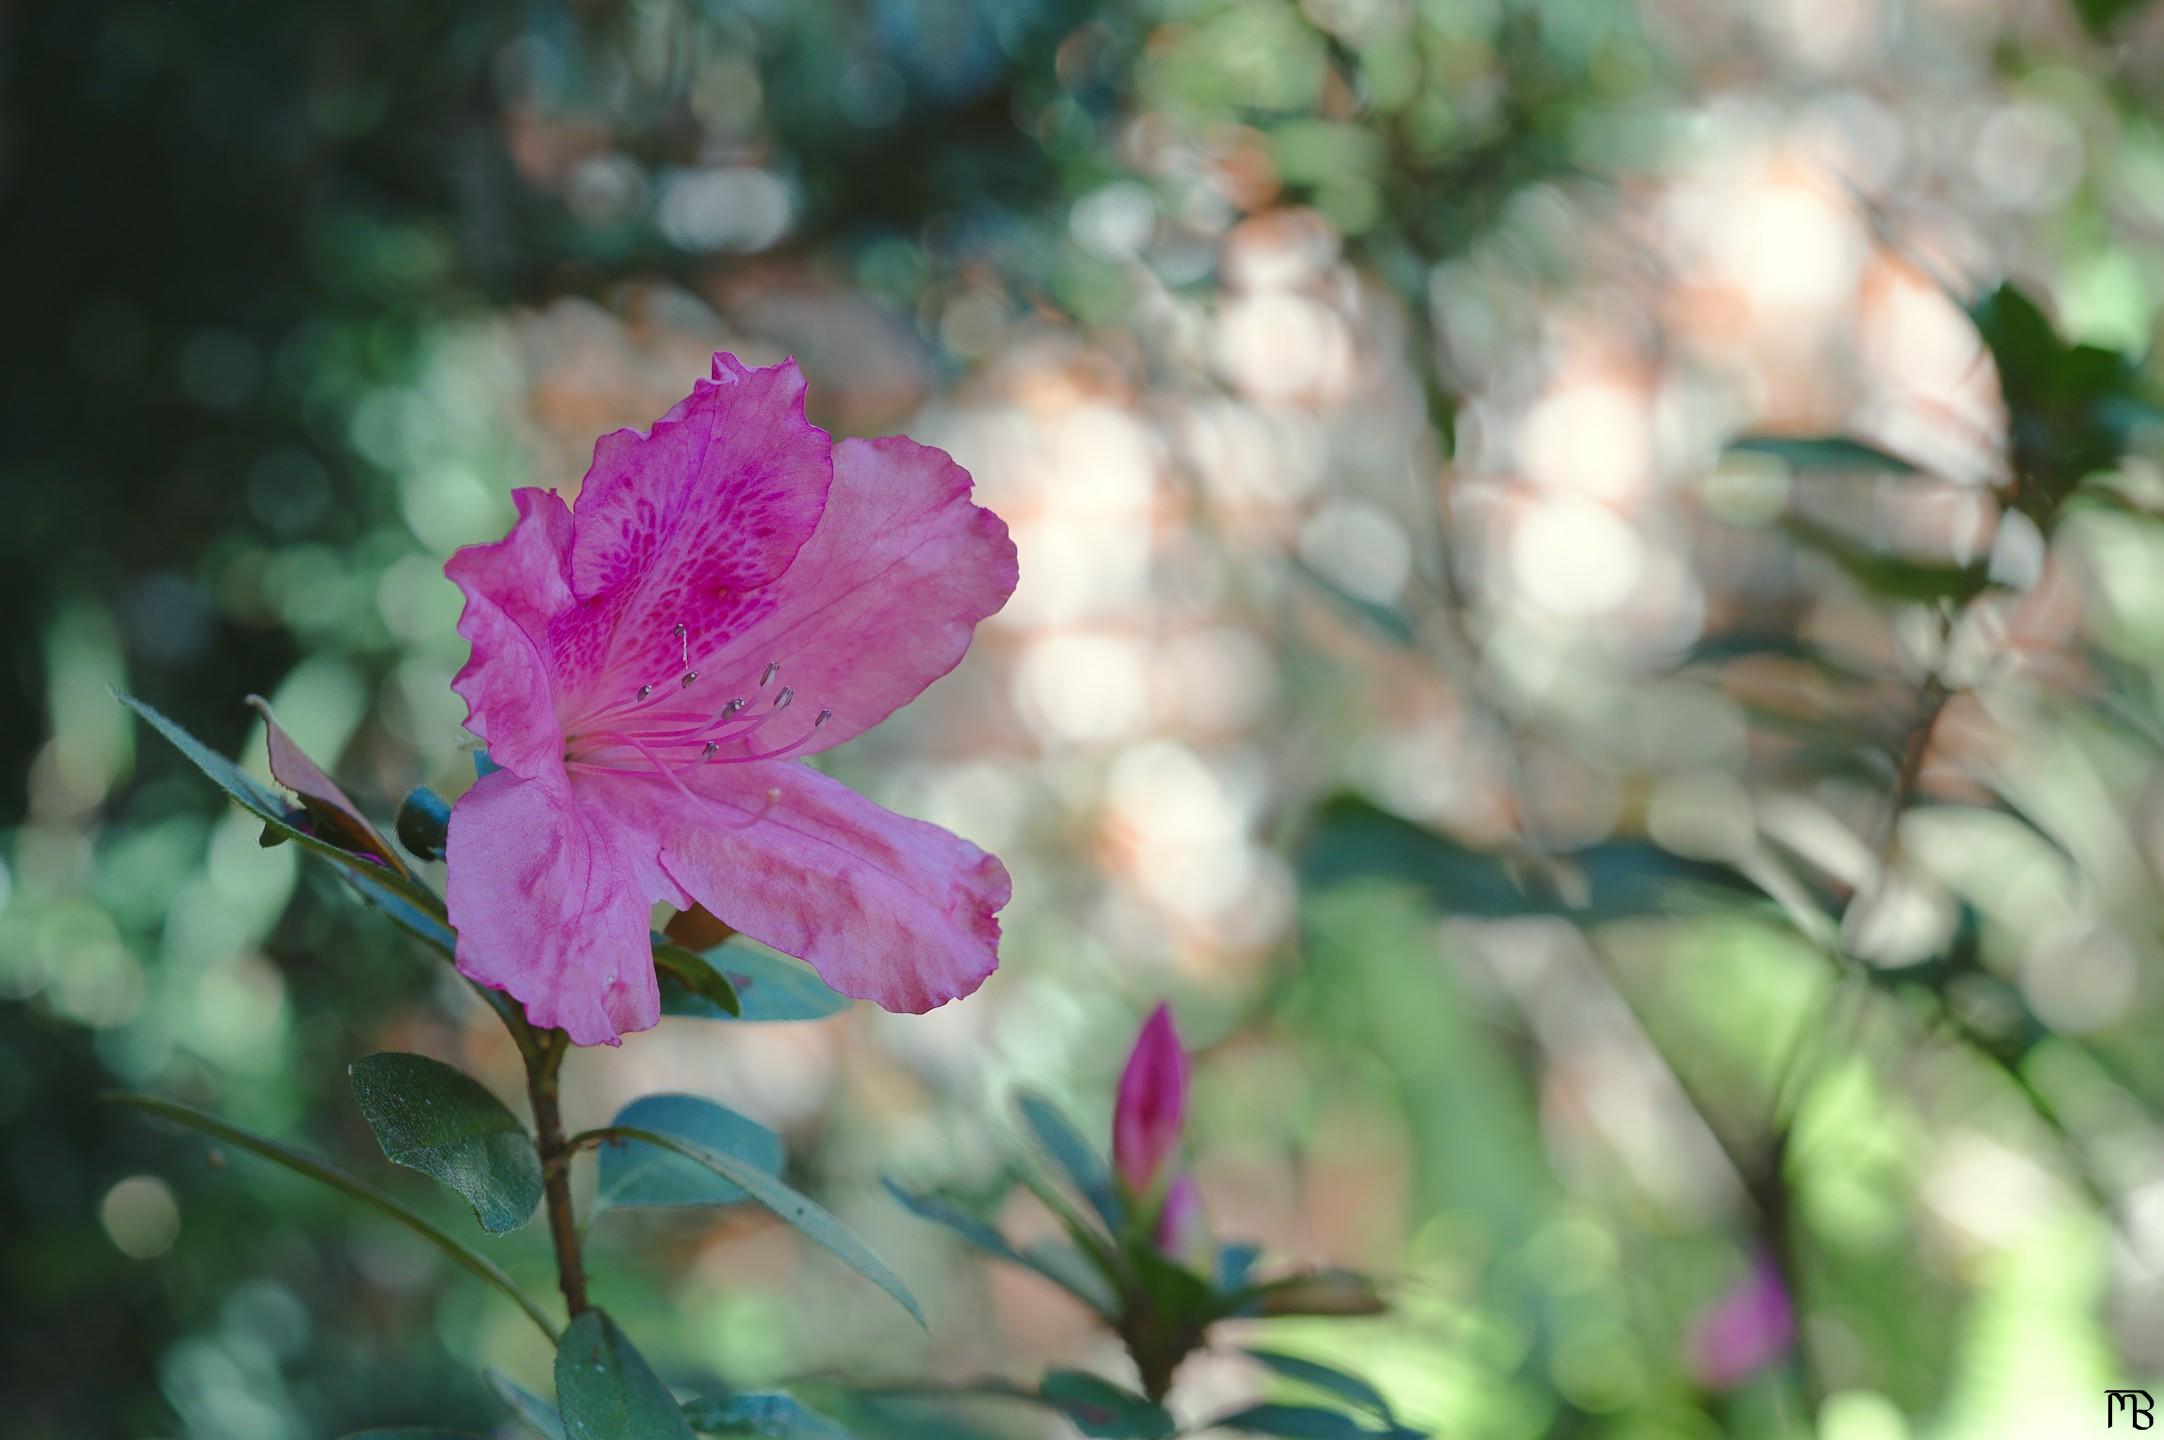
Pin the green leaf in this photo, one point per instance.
(767, 987)
(1103, 1410)
(1824, 453)
(606, 1389)
(1315, 1292)
(636, 1174)
(440, 1121)
(1329, 1379)
(1351, 838)
(800, 1211)
(1074, 1155)
(1072, 1270)
(1235, 1263)
(1890, 576)
(772, 1416)
(695, 977)
(1301, 1422)
(535, 1413)
(325, 1173)
(270, 809)
(414, 1432)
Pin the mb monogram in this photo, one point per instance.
(2135, 1405)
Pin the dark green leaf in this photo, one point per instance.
(2102, 15)
(1351, 1389)
(1074, 1155)
(1103, 1410)
(767, 987)
(1300, 1422)
(1235, 1263)
(1385, 619)
(1824, 453)
(1175, 1297)
(771, 1416)
(413, 1432)
(325, 1173)
(267, 807)
(424, 822)
(440, 1121)
(535, 1413)
(1318, 1292)
(1094, 1291)
(636, 1174)
(802, 1213)
(696, 978)
(1350, 838)
(1890, 576)
(606, 1390)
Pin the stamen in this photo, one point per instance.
(713, 748)
(781, 701)
(773, 668)
(645, 690)
(823, 716)
(728, 711)
(689, 676)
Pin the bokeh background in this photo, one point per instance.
(1578, 890)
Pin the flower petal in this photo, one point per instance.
(885, 908)
(550, 898)
(335, 817)
(883, 599)
(516, 591)
(689, 524)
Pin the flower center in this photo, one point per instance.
(664, 728)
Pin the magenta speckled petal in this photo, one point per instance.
(643, 661)
(885, 908)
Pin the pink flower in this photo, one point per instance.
(732, 591)
(1152, 1104)
(1744, 1331)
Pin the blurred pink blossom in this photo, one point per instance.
(1747, 1329)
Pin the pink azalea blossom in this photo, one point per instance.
(731, 592)
(1743, 1332)
(1152, 1104)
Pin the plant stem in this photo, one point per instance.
(544, 1056)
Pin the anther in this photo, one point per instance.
(728, 711)
(781, 701)
(689, 676)
(822, 717)
(645, 690)
(773, 668)
(713, 748)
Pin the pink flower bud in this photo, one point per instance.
(1152, 1104)
(1180, 1232)
(1744, 1331)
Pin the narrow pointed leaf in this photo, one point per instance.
(695, 976)
(1078, 1278)
(767, 988)
(535, 1413)
(803, 1214)
(1319, 1292)
(633, 1173)
(1103, 1410)
(1074, 1155)
(323, 1172)
(770, 1416)
(607, 1391)
(440, 1121)
(414, 1432)
(1300, 1422)
(1824, 453)
(1351, 1389)
(266, 806)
